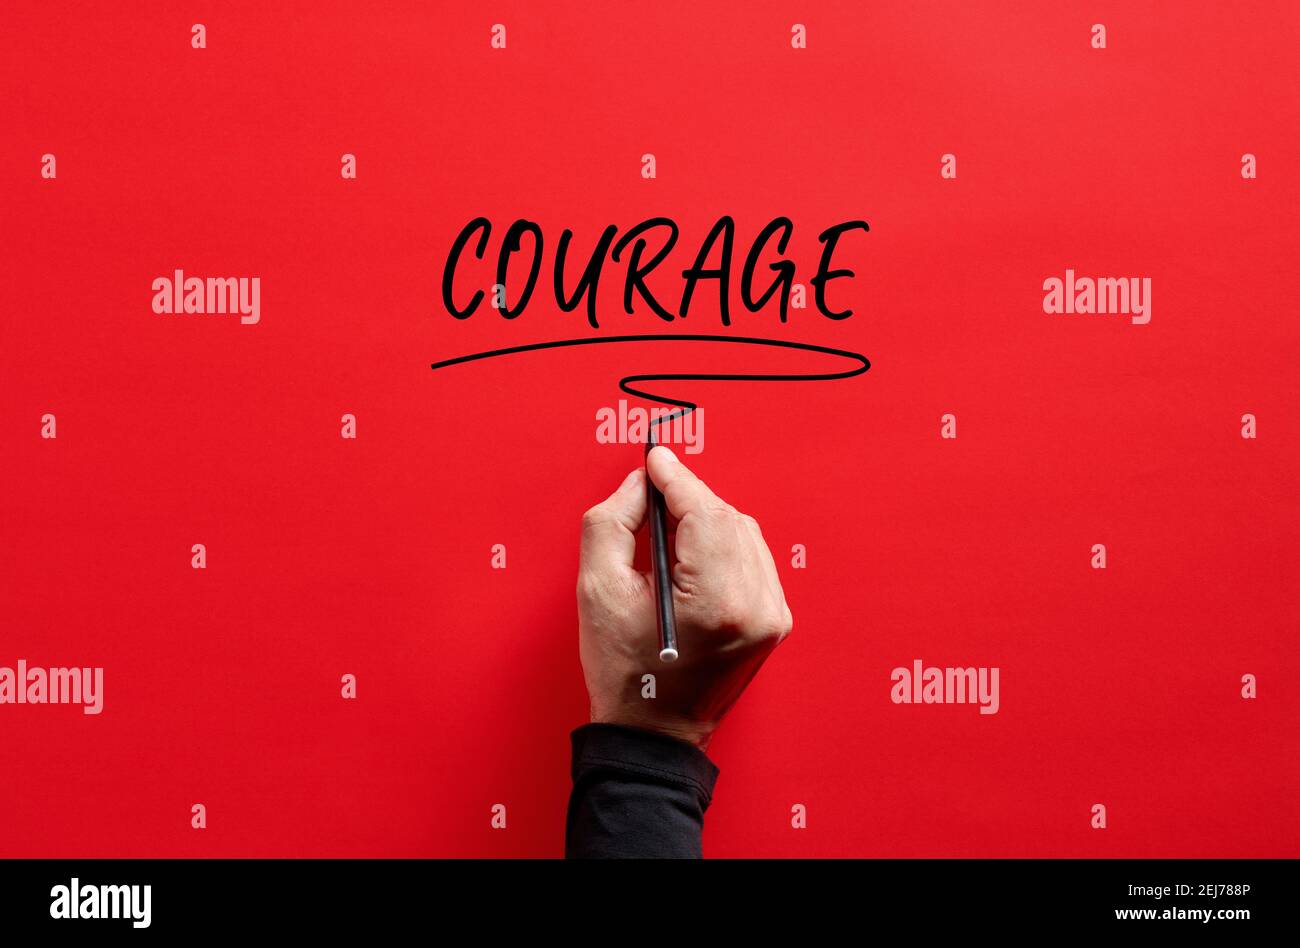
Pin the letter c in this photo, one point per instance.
(449, 272)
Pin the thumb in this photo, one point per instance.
(683, 491)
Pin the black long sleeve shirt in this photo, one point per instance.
(636, 794)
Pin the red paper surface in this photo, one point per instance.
(371, 556)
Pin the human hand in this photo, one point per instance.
(731, 612)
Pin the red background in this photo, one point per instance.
(371, 557)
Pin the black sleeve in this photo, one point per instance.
(636, 794)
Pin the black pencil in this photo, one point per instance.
(657, 510)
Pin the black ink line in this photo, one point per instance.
(625, 383)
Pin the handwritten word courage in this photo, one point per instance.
(640, 264)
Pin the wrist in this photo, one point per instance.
(695, 733)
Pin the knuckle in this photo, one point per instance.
(593, 518)
(731, 613)
(717, 510)
(774, 622)
(773, 628)
(590, 586)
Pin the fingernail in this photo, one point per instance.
(668, 451)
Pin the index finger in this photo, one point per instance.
(609, 528)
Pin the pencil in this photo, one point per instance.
(657, 510)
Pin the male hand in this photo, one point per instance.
(731, 611)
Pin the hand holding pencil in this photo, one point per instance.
(727, 605)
